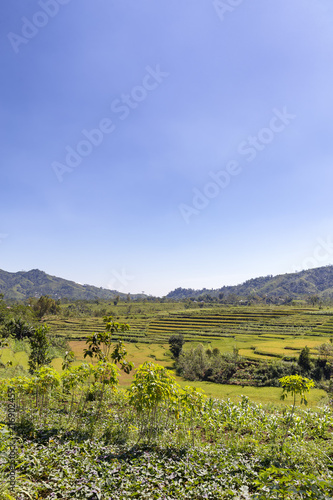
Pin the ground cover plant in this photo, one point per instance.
(158, 441)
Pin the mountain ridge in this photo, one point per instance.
(34, 283)
(317, 281)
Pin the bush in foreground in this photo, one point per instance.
(80, 437)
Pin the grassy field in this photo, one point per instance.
(16, 358)
(158, 353)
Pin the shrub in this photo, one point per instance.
(304, 359)
(153, 388)
(176, 343)
(39, 345)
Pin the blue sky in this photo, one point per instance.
(151, 145)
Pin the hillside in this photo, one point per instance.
(318, 281)
(34, 283)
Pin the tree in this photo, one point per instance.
(44, 305)
(304, 359)
(39, 345)
(176, 343)
(4, 313)
(3, 345)
(18, 329)
(68, 360)
(325, 350)
(294, 384)
(232, 298)
(99, 345)
(312, 299)
(187, 303)
(152, 388)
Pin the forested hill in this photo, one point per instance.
(34, 283)
(318, 281)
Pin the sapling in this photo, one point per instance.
(44, 381)
(192, 400)
(73, 381)
(294, 384)
(106, 374)
(99, 345)
(68, 360)
(151, 388)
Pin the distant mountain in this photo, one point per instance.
(318, 281)
(34, 283)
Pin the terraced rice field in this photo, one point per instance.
(81, 328)
(258, 332)
(232, 323)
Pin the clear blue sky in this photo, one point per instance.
(150, 145)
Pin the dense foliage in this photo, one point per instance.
(176, 343)
(225, 368)
(21, 330)
(39, 348)
(77, 436)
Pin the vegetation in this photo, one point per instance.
(225, 368)
(313, 284)
(294, 384)
(44, 305)
(17, 328)
(99, 344)
(78, 434)
(176, 343)
(35, 283)
(258, 332)
(39, 347)
(267, 340)
(26, 343)
(158, 440)
(304, 359)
